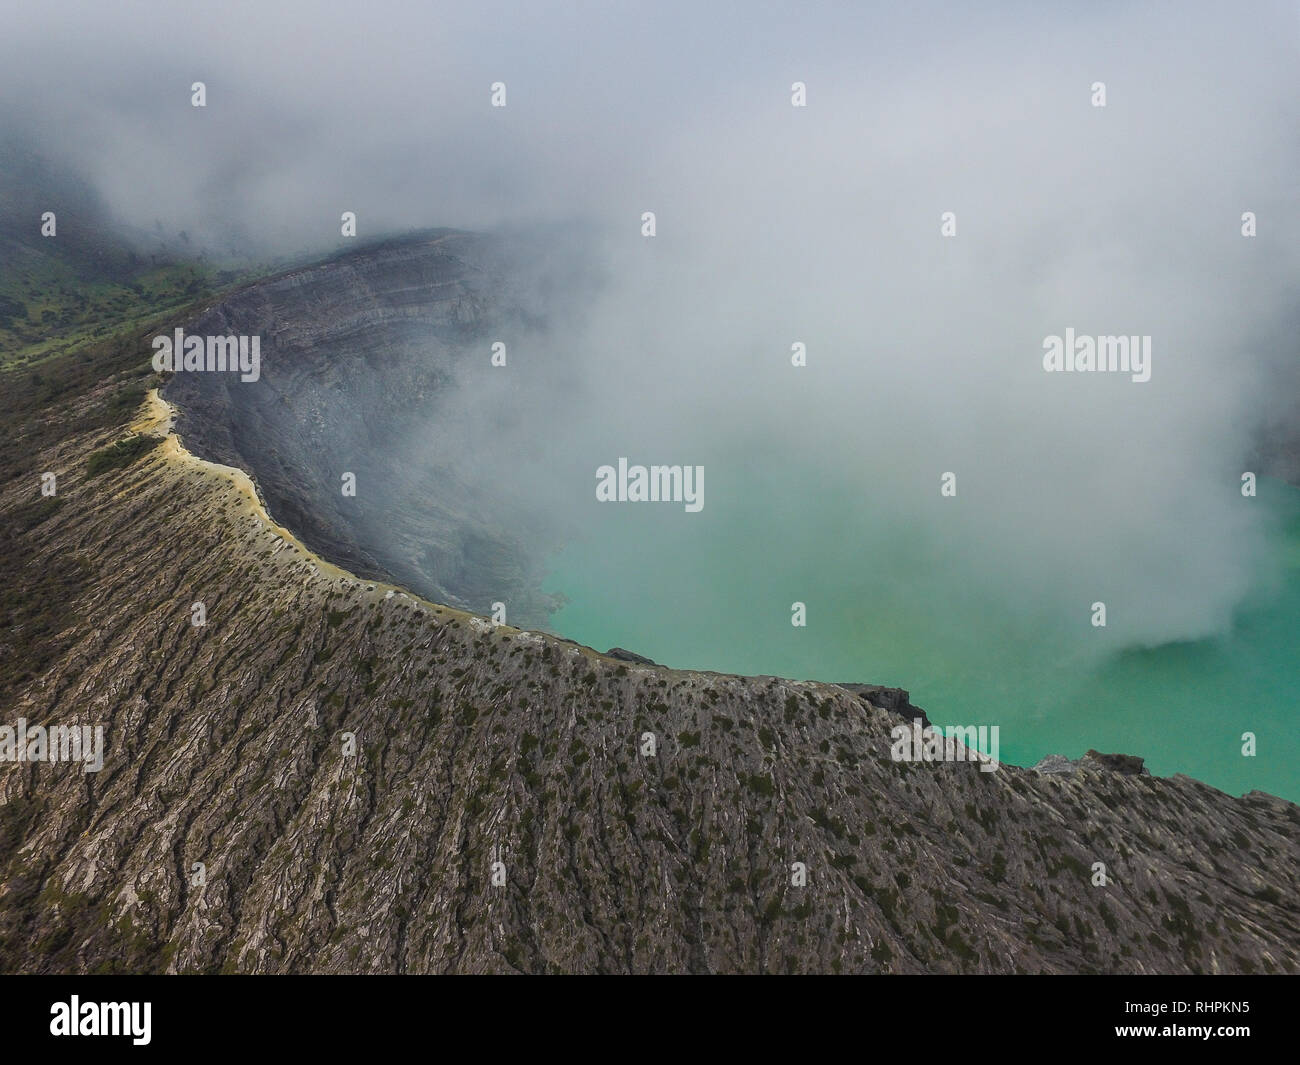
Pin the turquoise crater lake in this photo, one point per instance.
(713, 592)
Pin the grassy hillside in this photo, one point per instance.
(61, 293)
(46, 310)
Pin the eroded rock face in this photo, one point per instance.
(1128, 764)
(366, 363)
(897, 700)
(500, 812)
(1056, 763)
(624, 655)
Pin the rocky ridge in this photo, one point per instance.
(229, 753)
(335, 774)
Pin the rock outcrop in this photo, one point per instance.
(1128, 764)
(623, 655)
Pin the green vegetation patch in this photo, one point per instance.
(121, 453)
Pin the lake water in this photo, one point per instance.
(714, 591)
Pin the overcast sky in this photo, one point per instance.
(384, 108)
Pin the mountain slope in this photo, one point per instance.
(475, 744)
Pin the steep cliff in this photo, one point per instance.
(366, 361)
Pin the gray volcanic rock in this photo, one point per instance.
(895, 700)
(628, 656)
(1056, 763)
(1129, 764)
